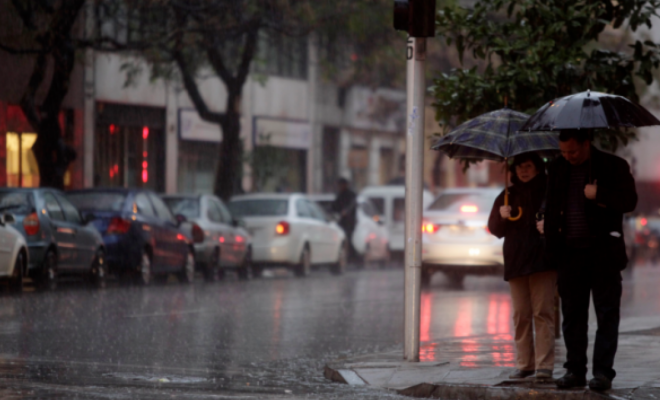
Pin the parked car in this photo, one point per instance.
(370, 237)
(390, 201)
(220, 242)
(144, 241)
(290, 230)
(14, 255)
(59, 240)
(456, 239)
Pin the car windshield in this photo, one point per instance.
(258, 208)
(464, 202)
(186, 206)
(98, 201)
(326, 205)
(16, 202)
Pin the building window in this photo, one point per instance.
(281, 55)
(358, 162)
(279, 169)
(22, 168)
(198, 163)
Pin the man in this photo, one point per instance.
(345, 205)
(588, 193)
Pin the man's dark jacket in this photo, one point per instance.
(524, 248)
(346, 203)
(615, 196)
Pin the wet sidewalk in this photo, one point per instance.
(477, 367)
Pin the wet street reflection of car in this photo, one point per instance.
(60, 241)
(456, 239)
(220, 243)
(370, 238)
(13, 253)
(290, 230)
(143, 239)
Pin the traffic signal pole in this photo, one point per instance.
(416, 53)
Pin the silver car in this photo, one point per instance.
(220, 242)
(456, 239)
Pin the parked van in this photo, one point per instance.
(390, 200)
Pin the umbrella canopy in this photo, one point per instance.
(589, 110)
(495, 136)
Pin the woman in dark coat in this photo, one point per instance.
(531, 278)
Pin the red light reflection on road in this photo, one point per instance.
(463, 328)
(499, 325)
(426, 352)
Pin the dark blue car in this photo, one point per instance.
(142, 238)
(60, 241)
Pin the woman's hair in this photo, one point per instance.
(522, 158)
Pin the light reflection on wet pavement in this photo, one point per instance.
(267, 337)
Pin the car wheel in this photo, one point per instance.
(144, 271)
(46, 278)
(387, 260)
(212, 269)
(99, 270)
(187, 274)
(455, 278)
(16, 280)
(363, 261)
(426, 277)
(303, 268)
(340, 266)
(245, 270)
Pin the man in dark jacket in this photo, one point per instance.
(345, 205)
(588, 193)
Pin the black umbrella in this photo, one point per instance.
(589, 110)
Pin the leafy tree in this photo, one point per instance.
(45, 32)
(527, 52)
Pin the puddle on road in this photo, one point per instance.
(156, 379)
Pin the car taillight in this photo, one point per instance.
(118, 226)
(282, 228)
(428, 227)
(31, 224)
(197, 234)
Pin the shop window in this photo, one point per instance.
(22, 168)
(198, 163)
(358, 162)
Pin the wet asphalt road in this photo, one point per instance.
(266, 338)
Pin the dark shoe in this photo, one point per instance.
(600, 383)
(521, 374)
(571, 380)
(543, 374)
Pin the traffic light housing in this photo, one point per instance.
(417, 17)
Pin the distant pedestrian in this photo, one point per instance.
(531, 278)
(588, 193)
(345, 205)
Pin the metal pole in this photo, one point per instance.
(416, 54)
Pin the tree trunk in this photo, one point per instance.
(228, 178)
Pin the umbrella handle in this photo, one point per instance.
(506, 203)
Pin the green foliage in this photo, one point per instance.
(527, 52)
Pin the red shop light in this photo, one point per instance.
(145, 133)
(144, 165)
(112, 129)
(145, 176)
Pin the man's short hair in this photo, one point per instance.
(342, 181)
(580, 135)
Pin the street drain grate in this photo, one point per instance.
(156, 379)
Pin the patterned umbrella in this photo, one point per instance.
(495, 136)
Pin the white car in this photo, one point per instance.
(290, 230)
(13, 254)
(390, 200)
(455, 236)
(370, 238)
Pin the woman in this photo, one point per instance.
(531, 279)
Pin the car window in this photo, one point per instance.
(302, 209)
(368, 208)
(464, 202)
(326, 205)
(258, 208)
(53, 207)
(224, 212)
(16, 202)
(161, 208)
(317, 212)
(70, 211)
(399, 209)
(186, 206)
(379, 203)
(213, 212)
(97, 201)
(144, 206)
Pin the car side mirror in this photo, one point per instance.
(89, 217)
(180, 219)
(8, 219)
